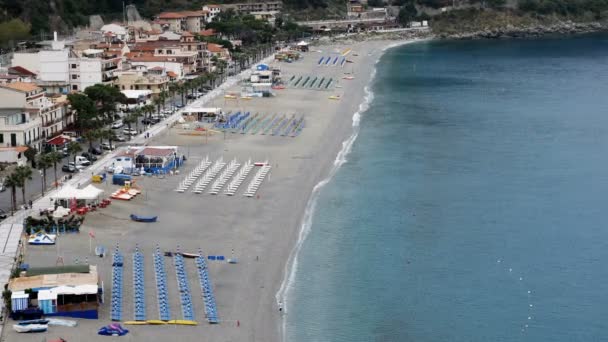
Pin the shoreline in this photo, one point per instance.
(285, 290)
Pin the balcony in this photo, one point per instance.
(50, 123)
(110, 67)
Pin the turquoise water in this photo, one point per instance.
(473, 204)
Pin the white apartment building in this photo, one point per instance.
(212, 12)
(21, 105)
(91, 67)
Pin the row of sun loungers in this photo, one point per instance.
(224, 177)
(117, 280)
(207, 291)
(193, 175)
(255, 183)
(184, 288)
(233, 186)
(327, 60)
(161, 285)
(208, 176)
(139, 294)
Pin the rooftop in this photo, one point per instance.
(54, 280)
(22, 86)
(18, 70)
(19, 149)
(171, 15)
(156, 152)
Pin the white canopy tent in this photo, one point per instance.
(69, 192)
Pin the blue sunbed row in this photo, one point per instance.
(161, 285)
(117, 269)
(208, 297)
(139, 294)
(184, 288)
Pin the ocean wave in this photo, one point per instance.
(282, 295)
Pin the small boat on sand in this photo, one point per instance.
(30, 328)
(137, 218)
(42, 239)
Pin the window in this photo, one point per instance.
(1, 138)
(73, 66)
(74, 77)
(74, 87)
(13, 139)
(149, 87)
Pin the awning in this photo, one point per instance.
(59, 140)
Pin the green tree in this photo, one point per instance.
(12, 182)
(130, 119)
(86, 111)
(407, 13)
(30, 155)
(106, 97)
(44, 162)
(55, 158)
(13, 30)
(73, 149)
(90, 136)
(23, 174)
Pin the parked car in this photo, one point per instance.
(106, 147)
(150, 121)
(128, 131)
(95, 150)
(3, 214)
(190, 96)
(76, 166)
(2, 186)
(117, 124)
(82, 161)
(68, 168)
(179, 106)
(89, 156)
(167, 112)
(65, 152)
(120, 138)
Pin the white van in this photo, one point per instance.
(82, 161)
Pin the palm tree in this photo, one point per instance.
(157, 101)
(182, 89)
(73, 149)
(54, 158)
(148, 109)
(110, 135)
(173, 89)
(90, 136)
(44, 162)
(129, 119)
(135, 115)
(163, 95)
(23, 174)
(12, 182)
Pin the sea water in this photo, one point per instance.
(473, 204)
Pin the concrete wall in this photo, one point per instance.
(12, 99)
(54, 66)
(30, 61)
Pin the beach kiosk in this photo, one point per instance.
(202, 113)
(71, 291)
(302, 46)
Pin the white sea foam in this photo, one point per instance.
(283, 294)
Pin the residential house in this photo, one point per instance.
(189, 43)
(141, 78)
(21, 106)
(176, 21)
(212, 11)
(14, 155)
(116, 31)
(251, 7)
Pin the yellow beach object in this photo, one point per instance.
(334, 97)
(246, 97)
(156, 322)
(182, 322)
(135, 323)
(346, 52)
(229, 96)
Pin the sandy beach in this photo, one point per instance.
(262, 230)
